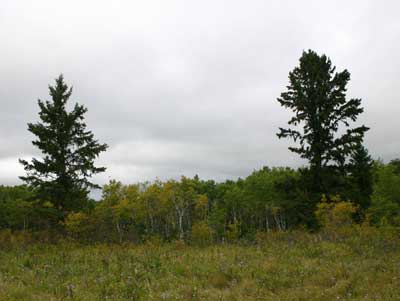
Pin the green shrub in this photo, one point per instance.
(233, 232)
(335, 213)
(79, 225)
(201, 234)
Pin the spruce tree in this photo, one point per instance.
(361, 177)
(62, 175)
(317, 96)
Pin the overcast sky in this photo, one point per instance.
(190, 87)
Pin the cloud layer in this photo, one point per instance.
(190, 87)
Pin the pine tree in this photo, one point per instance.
(361, 178)
(61, 177)
(317, 96)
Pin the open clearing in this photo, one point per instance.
(283, 267)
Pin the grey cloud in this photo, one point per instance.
(190, 87)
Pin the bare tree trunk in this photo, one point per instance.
(119, 231)
(284, 226)
(278, 224)
(180, 221)
(151, 222)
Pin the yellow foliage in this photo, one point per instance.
(201, 205)
(48, 204)
(232, 233)
(76, 223)
(201, 234)
(335, 213)
(123, 209)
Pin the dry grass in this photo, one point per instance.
(292, 266)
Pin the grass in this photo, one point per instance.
(292, 266)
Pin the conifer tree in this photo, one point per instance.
(361, 178)
(317, 96)
(62, 175)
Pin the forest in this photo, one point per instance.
(198, 211)
(261, 237)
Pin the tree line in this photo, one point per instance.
(340, 171)
(270, 199)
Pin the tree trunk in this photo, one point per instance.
(180, 221)
(277, 222)
(119, 231)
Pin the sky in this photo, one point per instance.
(190, 87)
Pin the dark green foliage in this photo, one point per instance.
(317, 96)
(360, 177)
(62, 175)
(14, 206)
(396, 164)
(20, 210)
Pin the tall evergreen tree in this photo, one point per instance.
(361, 177)
(69, 150)
(317, 96)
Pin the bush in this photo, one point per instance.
(153, 241)
(336, 217)
(335, 213)
(233, 232)
(10, 239)
(78, 225)
(201, 234)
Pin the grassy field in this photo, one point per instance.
(293, 266)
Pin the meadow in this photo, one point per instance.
(351, 264)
